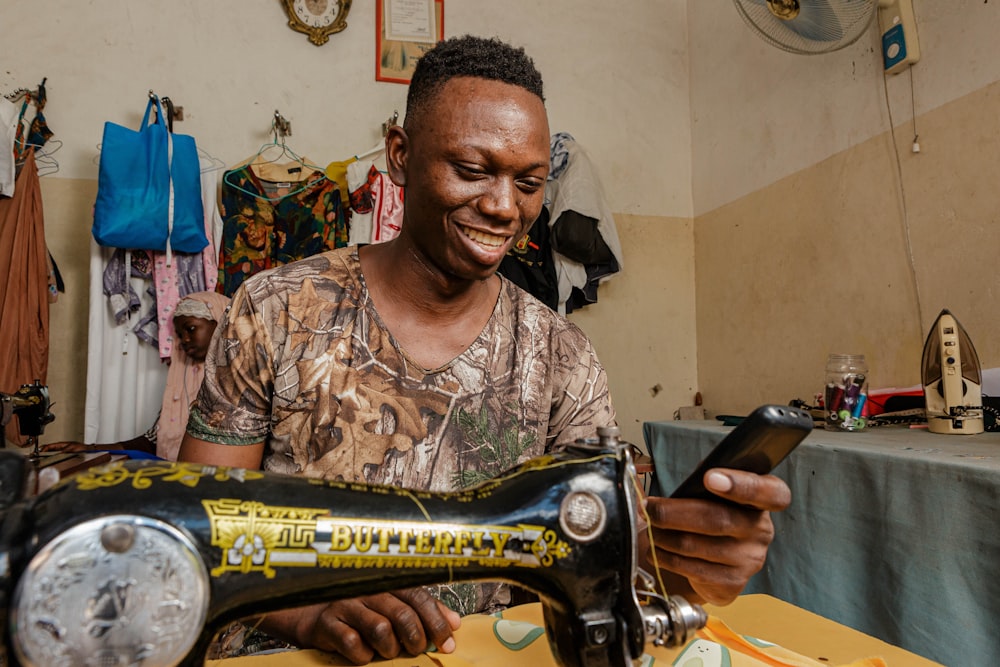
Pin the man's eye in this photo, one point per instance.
(470, 170)
(530, 185)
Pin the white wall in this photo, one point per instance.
(759, 113)
(817, 229)
(616, 77)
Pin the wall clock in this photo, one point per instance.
(317, 18)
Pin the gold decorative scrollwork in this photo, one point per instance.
(188, 474)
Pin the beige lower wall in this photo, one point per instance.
(68, 204)
(819, 262)
(643, 324)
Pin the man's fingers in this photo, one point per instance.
(707, 517)
(356, 631)
(434, 618)
(385, 624)
(396, 626)
(764, 492)
(339, 637)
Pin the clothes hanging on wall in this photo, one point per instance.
(125, 377)
(173, 281)
(168, 278)
(379, 202)
(530, 266)
(337, 172)
(187, 274)
(361, 221)
(123, 269)
(8, 129)
(585, 244)
(24, 301)
(269, 222)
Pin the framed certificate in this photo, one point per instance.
(404, 31)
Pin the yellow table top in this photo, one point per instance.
(760, 616)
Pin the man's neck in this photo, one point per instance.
(435, 317)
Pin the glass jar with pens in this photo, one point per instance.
(846, 392)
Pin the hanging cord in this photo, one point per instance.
(905, 219)
(913, 114)
(902, 188)
(649, 535)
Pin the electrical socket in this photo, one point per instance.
(900, 47)
(691, 412)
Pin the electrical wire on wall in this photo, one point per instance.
(902, 187)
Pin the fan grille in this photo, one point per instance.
(821, 26)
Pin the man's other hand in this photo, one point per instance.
(385, 624)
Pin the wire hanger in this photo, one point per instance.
(280, 128)
(208, 161)
(44, 160)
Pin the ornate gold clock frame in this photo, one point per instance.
(317, 18)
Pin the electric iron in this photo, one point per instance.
(952, 379)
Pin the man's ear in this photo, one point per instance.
(397, 146)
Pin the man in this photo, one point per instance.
(413, 363)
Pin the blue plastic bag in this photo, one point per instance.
(149, 188)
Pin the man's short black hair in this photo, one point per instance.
(481, 57)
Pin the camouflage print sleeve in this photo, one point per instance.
(234, 403)
(580, 398)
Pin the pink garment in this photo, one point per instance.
(383, 199)
(388, 212)
(183, 382)
(167, 296)
(166, 280)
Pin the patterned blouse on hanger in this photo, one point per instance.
(267, 223)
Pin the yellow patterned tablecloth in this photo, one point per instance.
(755, 630)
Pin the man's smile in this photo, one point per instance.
(483, 238)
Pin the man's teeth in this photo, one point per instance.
(491, 240)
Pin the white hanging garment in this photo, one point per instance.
(576, 187)
(8, 128)
(125, 378)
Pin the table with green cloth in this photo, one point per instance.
(892, 531)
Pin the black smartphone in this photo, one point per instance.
(757, 444)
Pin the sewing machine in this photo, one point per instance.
(143, 561)
(31, 405)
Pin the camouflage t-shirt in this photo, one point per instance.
(304, 363)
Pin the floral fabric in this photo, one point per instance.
(268, 224)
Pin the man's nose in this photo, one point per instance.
(500, 201)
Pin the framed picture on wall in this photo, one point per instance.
(404, 31)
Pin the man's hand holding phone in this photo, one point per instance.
(713, 533)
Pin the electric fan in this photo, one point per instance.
(808, 26)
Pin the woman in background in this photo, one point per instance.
(195, 319)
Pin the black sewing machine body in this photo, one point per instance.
(142, 562)
(30, 403)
